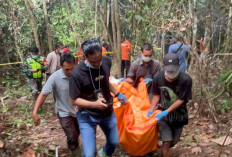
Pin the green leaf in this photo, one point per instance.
(129, 14)
(223, 77)
(138, 17)
(223, 111)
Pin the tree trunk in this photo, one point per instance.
(72, 24)
(7, 53)
(117, 21)
(228, 31)
(96, 19)
(106, 12)
(47, 26)
(194, 28)
(104, 25)
(190, 9)
(219, 39)
(33, 24)
(163, 43)
(208, 25)
(132, 21)
(113, 26)
(158, 38)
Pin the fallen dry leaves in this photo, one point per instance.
(196, 150)
(1, 143)
(221, 140)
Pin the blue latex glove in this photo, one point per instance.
(149, 112)
(147, 80)
(122, 98)
(161, 115)
(121, 79)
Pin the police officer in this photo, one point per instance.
(34, 66)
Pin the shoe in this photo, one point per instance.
(76, 152)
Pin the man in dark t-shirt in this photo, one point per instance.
(172, 91)
(89, 89)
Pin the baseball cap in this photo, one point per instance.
(171, 62)
(173, 40)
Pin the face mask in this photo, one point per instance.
(61, 51)
(172, 74)
(145, 59)
(35, 56)
(90, 66)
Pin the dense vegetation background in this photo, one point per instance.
(46, 22)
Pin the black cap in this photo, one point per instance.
(171, 62)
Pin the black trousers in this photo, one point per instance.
(71, 130)
(125, 64)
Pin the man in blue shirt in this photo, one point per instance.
(181, 50)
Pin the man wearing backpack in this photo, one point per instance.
(34, 66)
(144, 67)
(171, 89)
(182, 52)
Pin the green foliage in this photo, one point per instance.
(225, 106)
(188, 140)
(39, 149)
(227, 79)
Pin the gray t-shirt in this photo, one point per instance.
(58, 83)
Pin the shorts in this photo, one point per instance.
(169, 133)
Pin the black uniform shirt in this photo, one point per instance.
(81, 86)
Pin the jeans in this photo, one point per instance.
(88, 124)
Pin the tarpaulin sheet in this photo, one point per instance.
(138, 133)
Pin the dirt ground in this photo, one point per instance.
(20, 138)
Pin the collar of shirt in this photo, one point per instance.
(141, 61)
(62, 75)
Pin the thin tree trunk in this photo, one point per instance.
(228, 31)
(15, 26)
(208, 25)
(72, 24)
(158, 38)
(219, 38)
(106, 12)
(47, 26)
(96, 19)
(7, 53)
(190, 9)
(132, 21)
(105, 27)
(194, 27)
(113, 25)
(117, 21)
(33, 24)
(163, 43)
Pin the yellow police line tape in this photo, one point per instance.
(21, 62)
(10, 63)
(74, 56)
